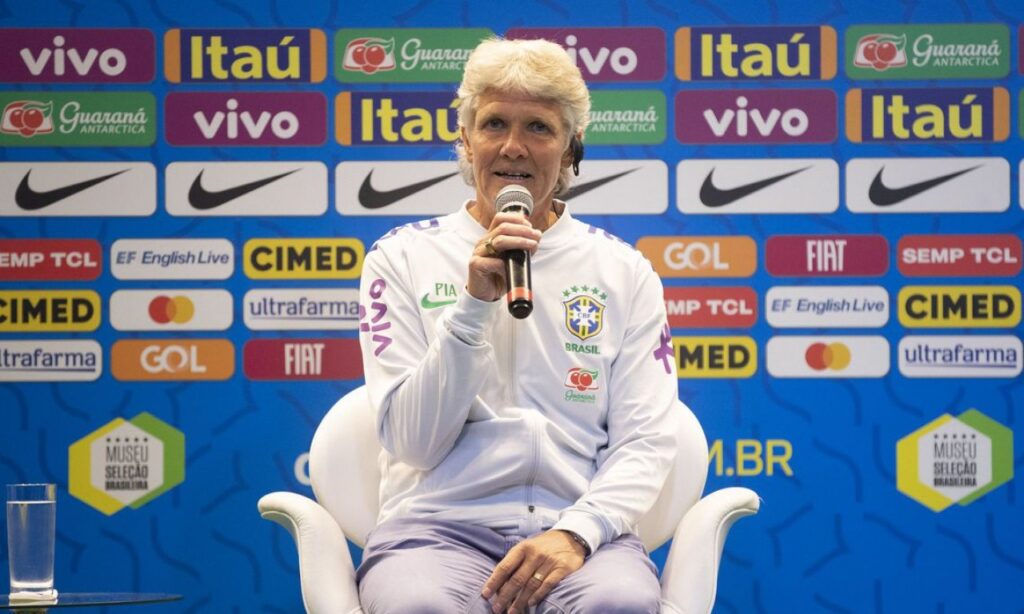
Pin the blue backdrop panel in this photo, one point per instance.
(834, 536)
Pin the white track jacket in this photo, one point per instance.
(564, 419)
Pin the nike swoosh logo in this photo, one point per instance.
(203, 199)
(713, 196)
(32, 200)
(583, 188)
(884, 196)
(426, 303)
(372, 198)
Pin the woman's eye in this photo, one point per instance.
(493, 123)
(539, 127)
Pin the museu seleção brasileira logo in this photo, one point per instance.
(928, 51)
(954, 459)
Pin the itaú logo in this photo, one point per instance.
(166, 309)
(827, 356)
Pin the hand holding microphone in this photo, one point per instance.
(518, 283)
(506, 249)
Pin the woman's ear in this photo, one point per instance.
(465, 144)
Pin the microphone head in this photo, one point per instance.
(514, 196)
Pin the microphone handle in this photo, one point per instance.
(518, 283)
(518, 280)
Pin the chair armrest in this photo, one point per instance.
(690, 579)
(326, 572)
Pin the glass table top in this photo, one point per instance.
(79, 600)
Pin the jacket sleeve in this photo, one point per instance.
(641, 448)
(421, 390)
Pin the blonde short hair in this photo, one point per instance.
(535, 68)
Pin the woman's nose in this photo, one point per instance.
(513, 147)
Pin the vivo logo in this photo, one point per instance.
(621, 60)
(283, 124)
(794, 121)
(246, 118)
(73, 55)
(608, 54)
(112, 62)
(756, 116)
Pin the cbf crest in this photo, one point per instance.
(584, 313)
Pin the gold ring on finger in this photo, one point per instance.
(490, 248)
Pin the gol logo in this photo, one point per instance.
(881, 52)
(166, 309)
(173, 359)
(832, 356)
(27, 118)
(581, 379)
(369, 55)
(700, 256)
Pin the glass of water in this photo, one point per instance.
(31, 528)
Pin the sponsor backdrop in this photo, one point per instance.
(831, 193)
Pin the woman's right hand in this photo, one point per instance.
(486, 268)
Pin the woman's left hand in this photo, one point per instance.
(531, 569)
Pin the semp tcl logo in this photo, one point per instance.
(172, 359)
(699, 256)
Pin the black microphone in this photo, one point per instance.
(518, 283)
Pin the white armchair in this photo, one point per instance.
(344, 472)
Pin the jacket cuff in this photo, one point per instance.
(469, 318)
(587, 526)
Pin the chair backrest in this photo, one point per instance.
(344, 471)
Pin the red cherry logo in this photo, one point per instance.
(33, 118)
(886, 52)
(586, 380)
(870, 52)
(375, 55)
(359, 55)
(574, 378)
(16, 117)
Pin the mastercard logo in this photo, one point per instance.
(831, 356)
(167, 309)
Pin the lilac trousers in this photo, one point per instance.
(417, 566)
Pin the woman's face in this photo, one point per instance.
(516, 140)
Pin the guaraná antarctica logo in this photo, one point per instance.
(126, 463)
(954, 460)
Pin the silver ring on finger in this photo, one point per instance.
(489, 247)
(538, 576)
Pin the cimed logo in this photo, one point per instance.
(369, 55)
(27, 118)
(584, 313)
(881, 52)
